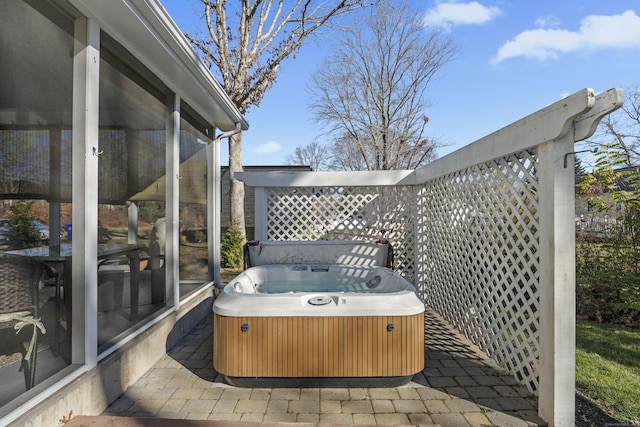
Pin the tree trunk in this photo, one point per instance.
(236, 190)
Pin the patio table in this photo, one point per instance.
(61, 258)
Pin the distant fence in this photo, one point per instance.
(599, 226)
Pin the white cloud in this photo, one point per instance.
(540, 44)
(596, 32)
(268, 147)
(611, 31)
(447, 14)
(547, 21)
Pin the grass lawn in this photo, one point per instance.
(608, 367)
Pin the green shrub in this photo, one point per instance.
(23, 234)
(149, 211)
(608, 269)
(607, 282)
(232, 247)
(199, 236)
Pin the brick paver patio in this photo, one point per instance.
(458, 387)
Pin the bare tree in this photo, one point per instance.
(619, 132)
(245, 44)
(371, 93)
(345, 155)
(315, 155)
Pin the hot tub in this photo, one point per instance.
(318, 321)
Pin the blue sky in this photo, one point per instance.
(515, 57)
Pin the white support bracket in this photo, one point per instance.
(606, 102)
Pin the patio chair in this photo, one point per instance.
(19, 284)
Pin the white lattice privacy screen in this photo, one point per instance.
(478, 251)
(349, 213)
(468, 230)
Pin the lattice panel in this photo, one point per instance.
(478, 231)
(349, 213)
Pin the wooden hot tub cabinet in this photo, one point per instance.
(318, 347)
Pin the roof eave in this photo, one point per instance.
(145, 29)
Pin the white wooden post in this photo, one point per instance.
(172, 205)
(556, 403)
(132, 219)
(213, 210)
(86, 82)
(556, 395)
(55, 179)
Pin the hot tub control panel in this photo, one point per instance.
(322, 300)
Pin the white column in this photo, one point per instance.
(556, 400)
(132, 220)
(86, 82)
(214, 210)
(55, 179)
(172, 202)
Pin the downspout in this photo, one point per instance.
(214, 207)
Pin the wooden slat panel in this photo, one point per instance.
(379, 360)
(351, 346)
(341, 343)
(352, 353)
(397, 344)
(367, 345)
(281, 341)
(319, 346)
(272, 356)
(313, 369)
(358, 344)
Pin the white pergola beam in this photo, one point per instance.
(545, 125)
(326, 179)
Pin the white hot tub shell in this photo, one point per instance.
(318, 320)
